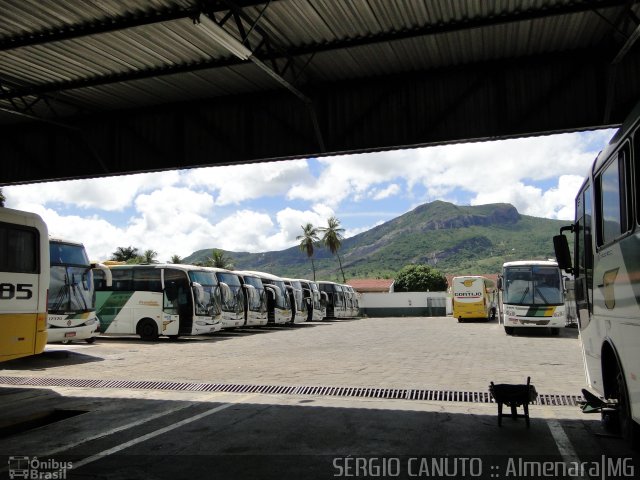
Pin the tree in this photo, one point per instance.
(219, 260)
(332, 239)
(176, 259)
(149, 256)
(308, 240)
(419, 278)
(124, 254)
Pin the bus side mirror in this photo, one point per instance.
(499, 283)
(563, 256)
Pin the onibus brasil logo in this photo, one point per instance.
(36, 469)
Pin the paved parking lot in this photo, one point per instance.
(149, 431)
(430, 353)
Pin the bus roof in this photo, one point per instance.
(266, 275)
(520, 263)
(178, 266)
(65, 240)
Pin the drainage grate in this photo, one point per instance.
(361, 392)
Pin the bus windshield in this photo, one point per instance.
(281, 300)
(71, 287)
(205, 288)
(533, 285)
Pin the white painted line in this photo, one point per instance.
(127, 426)
(563, 443)
(116, 429)
(156, 433)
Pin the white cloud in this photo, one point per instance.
(109, 193)
(235, 184)
(483, 169)
(557, 202)
(389, 191)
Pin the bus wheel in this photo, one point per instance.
(147, 329)
(90, 340)
(508, 330)
(626, 426)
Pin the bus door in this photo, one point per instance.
(178, 299)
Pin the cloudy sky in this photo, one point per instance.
(261, 207)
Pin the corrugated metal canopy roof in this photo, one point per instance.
(64, 61)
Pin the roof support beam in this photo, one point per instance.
(113, 24)
(272, 54)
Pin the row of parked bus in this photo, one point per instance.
(51, 292)
(174, 299)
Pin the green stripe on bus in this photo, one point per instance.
(109, 305)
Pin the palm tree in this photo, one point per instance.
(308, 240)
(332, 239)
(149, 256)
(176, 259)
(219, 260)
(123, 254)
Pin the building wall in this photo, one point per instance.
(404, 304)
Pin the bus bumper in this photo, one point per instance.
(65, 334)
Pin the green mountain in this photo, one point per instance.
(455, 239)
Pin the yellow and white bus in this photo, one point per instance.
(24, 283)
(158, 299)
(71, 303)
(472, 297)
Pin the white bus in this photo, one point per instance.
(316, 309)
(471, 297)
(71, 303)
(532, 296)
(606, 271)
(336, 306)
(255, 299)
(24, 282)
(158, 299)
(296, 299)
(232, 296)
(353, 303)
(278, 307)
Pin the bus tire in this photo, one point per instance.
(508, 330)
(90, 340)
(147, 329)
(626, 426)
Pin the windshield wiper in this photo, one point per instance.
(541, 295)
(526, 291)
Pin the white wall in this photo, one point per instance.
(404, 304)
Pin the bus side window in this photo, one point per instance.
(613, 198)
(99, 282)
(18, 249)
(122, 280)
(147, 279)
